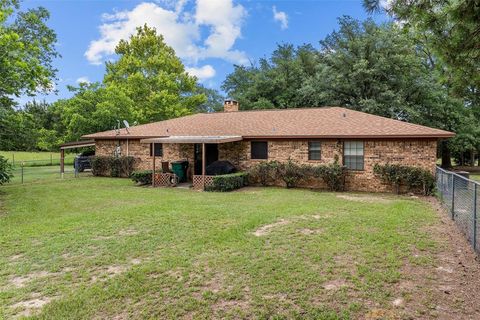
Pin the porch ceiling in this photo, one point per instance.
(193, 139)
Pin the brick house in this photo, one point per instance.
(312, 135)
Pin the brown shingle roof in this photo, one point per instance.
(327, 122)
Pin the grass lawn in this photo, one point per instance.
(38, 174)
(36, 158)
(475, 177)
(103, 248)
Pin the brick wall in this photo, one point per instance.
(141, 151)
(419, 153)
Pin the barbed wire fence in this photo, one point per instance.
(461, 196)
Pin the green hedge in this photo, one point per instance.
(143, 177)
(229, 182)
(292, 174)
(414, 179)
(109, 166)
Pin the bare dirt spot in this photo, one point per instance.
(111, 271)
(307, 231)
(15, 257)
(30, 307)
(399, 302)
(335, 284)
(365, 199)
(21, 281)
(127, 232)
(264, 230)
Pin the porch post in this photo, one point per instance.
(62, 162)
(153, 171)
(203, 166)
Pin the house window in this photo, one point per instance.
(259, 150)
(353, 155)
(314, 150)
(158, 150)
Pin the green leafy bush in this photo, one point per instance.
(264, 172)
(332, 174)
(292, 173)
(5, 170)
(267, 172)
(413, 178)
(229, 182)
(112, 166)
(143, 177)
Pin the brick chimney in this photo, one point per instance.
(230, 105)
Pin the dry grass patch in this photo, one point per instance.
(266, 229)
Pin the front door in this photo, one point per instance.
(211, 155)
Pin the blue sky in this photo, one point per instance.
(210, 36)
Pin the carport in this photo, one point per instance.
(72, 145)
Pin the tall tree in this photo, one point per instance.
(450, 31)
(379, 70)
(153, 77)
(276, 81)
(27, 52)
(453, 28)
(93, 108)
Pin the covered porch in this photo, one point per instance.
(205, 149)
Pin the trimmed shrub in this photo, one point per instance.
(332, 174)
(264, 172)
(142, 177)
(112, 166)
(292, 173)
(415, 179)
(229, 182)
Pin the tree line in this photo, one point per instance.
(421, 67)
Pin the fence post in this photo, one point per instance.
(453, 197)
(22, 165)
(475, 217)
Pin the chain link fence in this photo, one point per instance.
(462, 198)
(32, 171)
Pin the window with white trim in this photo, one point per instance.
(353, 157)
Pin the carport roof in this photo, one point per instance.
(77, 144)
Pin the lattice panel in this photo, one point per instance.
(198, 182)
(165, 180)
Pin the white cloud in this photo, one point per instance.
(281, 17)
(180, 28)
(202, 73)
(83, 79)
